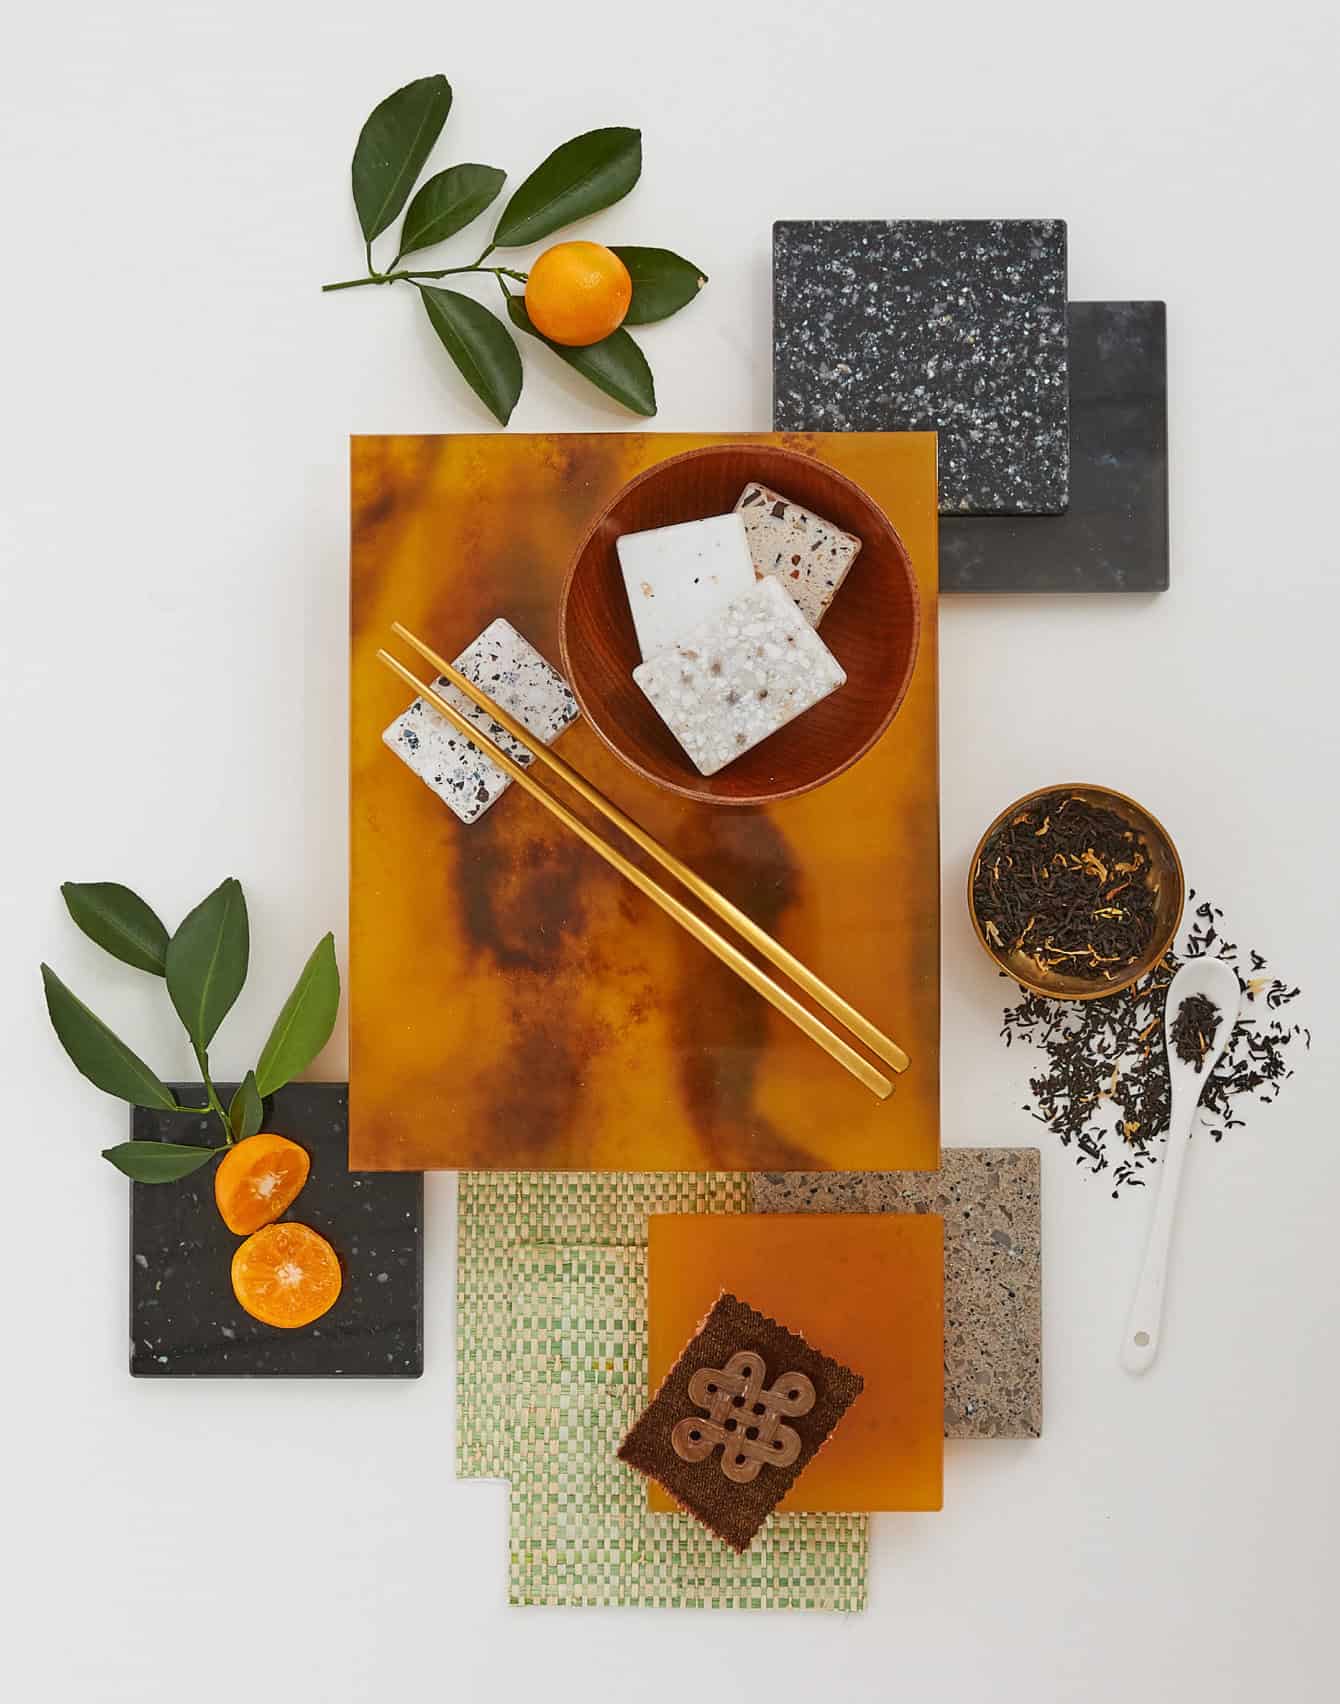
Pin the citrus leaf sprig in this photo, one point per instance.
(204, 965)
(581, 177)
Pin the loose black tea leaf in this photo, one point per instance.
(1066, 882)
(1193, 1030)
(1104, 1089)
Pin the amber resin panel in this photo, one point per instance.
(513, 1002)
(866, 1289)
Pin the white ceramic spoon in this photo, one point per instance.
(1218, 982)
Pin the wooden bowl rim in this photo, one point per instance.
(1130, 808)
(685, 789)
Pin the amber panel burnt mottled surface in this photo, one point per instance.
(515, 1003)
(865, 1288)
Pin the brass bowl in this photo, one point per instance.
(1165, 878)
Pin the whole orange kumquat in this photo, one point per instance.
(578, 293)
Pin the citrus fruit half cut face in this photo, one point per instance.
(286, 1275)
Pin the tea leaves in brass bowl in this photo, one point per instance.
(1075, 891)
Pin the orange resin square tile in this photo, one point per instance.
(866, 1289)
(513, 1003)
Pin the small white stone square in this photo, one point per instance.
(517, 677)
(678, 576)
(740, 676)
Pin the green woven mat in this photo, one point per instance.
(498, 1211)
(580, 1531)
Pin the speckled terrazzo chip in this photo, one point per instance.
(517, 677)
(184, 1317)
(950, 326)
(809, 555)
(740, 677)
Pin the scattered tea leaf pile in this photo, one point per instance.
(1065, 882)
(1194, 1029)
(1104, 1088)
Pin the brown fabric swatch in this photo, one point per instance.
(735, 1512)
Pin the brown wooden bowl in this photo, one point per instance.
(1165, 878)
(872, 627)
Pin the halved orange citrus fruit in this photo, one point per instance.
(257, 1179)
(286, 1275)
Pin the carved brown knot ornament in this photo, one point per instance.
(744, 1417)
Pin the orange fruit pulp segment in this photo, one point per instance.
(578, 293)
(257, 1179)
(286, 1275)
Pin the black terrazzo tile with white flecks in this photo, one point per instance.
(954, 326)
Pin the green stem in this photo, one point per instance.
(215, 1104)
(353, 283)
(409, 277)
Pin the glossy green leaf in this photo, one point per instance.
(245, 1111)
(480, 345)
(158, 1162)
(392, 147)
(581, 177)
(100, 1055)
(207, 961)
(615, 365)
(447, 203)
(303, 1027)
(120, 922)
(663, 283)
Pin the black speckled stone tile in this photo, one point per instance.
(991, 1203)
(955, 326)
(184, 1318)
(1114, 537)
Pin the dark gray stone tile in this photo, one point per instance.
(955, 326)
(184, 1318)
(1114, 537)
(991, 1202)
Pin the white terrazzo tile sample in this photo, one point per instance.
(808, 554)
(740, 677)
(677, 577)
(517, 677)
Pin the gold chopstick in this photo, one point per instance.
(758, 938)
(758, 980)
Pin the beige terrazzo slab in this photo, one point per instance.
(991, 1201)
(809, 555)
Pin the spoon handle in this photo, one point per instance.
(1145, 1322)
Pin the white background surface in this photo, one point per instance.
(177, 400)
